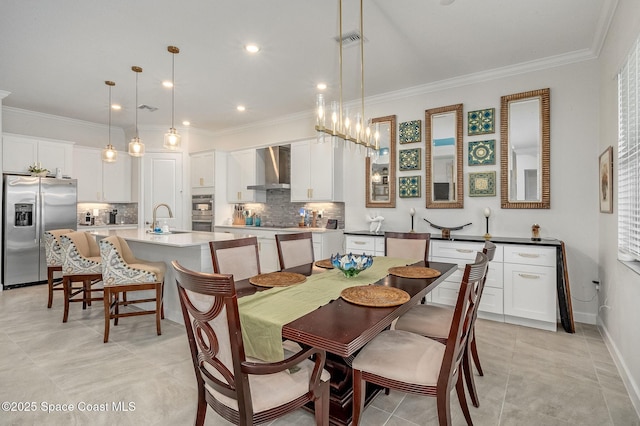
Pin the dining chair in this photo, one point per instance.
(243, 390)
(434, 322)
(122, 273)
(81, 262)
(409, 362)
(294, 249)
(237, 257)
(53, 254)
(407, 245)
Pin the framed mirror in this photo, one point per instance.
(444, 159)
(380, 169)
(525, 150)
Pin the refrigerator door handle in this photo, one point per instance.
(38, 221)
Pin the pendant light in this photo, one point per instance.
(109, 154)
(136, 147)
(172, 137)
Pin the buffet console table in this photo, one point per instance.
(527, 282)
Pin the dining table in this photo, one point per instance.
(270, 315)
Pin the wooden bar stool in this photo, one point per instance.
(122, 272)
(54, 256)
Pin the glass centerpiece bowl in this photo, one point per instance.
(351, 265)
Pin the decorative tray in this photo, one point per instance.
(277, 279)
(414, 272)
(324, 263)
(375, 296)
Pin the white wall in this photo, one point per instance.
(619, 314)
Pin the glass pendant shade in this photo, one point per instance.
(136, 147)
(172, 139)
(109, 154)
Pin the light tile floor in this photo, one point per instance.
(532, 377)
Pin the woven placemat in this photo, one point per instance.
(414, 272)
(375, 295)
(325, 263)
(277, 279)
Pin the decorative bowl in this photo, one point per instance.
(351, 265)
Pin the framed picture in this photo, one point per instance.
(482, 184)
(411, 159)
(409, 186)
(606, 181)
(482, 152)
(411, 131)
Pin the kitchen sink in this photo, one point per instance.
(167, 233)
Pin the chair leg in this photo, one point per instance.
(321, 405)
(116, 306)
(359, 388)
(162, 304)
(50, 284)
(474, 353)
(443, 398)
(202, 407)
(158, 307)
(66, 283)
(468, 377)
(107, 313)
(463, 400)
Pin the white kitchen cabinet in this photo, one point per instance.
(202, 170)
(19, 152)
(530, 296)
(316, 172)
(99, 181)
(243, 169)
(327, 243)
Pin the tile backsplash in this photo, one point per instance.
(127, 212)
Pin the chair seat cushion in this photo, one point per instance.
(271, 390)
(157, 268)
(427, 320)
(402, 356)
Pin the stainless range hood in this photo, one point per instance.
(277, 168)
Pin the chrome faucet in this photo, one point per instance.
(155, 209)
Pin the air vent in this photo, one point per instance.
(350, 38)
(147, 107)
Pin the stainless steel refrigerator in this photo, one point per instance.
(32, 205)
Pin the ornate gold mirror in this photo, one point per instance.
(444, 183)
(381, 167)
(525, 150)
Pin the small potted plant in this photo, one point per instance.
(36, 170)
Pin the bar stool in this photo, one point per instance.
(81, 263)
(54, 255)
(122, 272)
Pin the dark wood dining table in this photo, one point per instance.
(341, 328)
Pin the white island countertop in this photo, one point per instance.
(174, 238)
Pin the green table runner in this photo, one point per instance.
(263, 314)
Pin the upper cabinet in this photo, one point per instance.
(202, 170)
(99, 181)
(19, 152)
(242, 170)
(316, 172)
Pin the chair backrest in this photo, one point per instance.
(52, 248)
(81, 254)
(407, 245)
(210, 311)
(462, 321)
(120, 266)
(294, 249)
(489, 249)
(237, 257)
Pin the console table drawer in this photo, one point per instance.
(529, 255)
(461, 250)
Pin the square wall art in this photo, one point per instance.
(411, 131)
(482, 184)
(481, 121)
(410, 159)
(409, 186)
(482, 152)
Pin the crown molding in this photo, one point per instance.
(58, 118)
(4, 94)
(604, 23)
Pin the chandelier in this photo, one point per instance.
(109, 154)
(340, 124)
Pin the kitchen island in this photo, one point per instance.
(190, 249)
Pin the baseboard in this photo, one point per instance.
(629, 383)
(585, 318)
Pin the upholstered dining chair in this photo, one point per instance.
(81, 263)
(398, 359)
(53, 253)
(408, 245)
(434, 322)
(242, 390)
(237, 257)
(122, 272)
(294, 249)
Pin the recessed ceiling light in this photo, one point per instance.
(321, 86)
(252, 48)
(116, 107)
(240, 108)
(186, 123)
(167, 84)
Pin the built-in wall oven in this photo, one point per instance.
(202, 212)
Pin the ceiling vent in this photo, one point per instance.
(350, 38)
(147, 107)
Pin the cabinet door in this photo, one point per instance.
(321, 171)
(54, 155)
(530, 292)
(202, 170)
(241, 171)
(300, 166)
(18, 153)
(87, 166)
(116, 179)
(163, 184)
